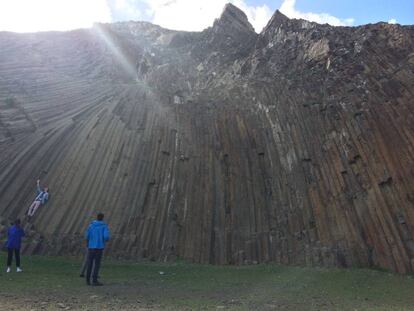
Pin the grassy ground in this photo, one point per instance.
(52, 283)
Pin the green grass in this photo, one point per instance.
(185, 286)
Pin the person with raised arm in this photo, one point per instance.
(40, 200)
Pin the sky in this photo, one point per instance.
(193, 15)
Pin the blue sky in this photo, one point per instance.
(41, 15)
(336, 12)
(363, 11)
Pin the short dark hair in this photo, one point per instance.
(100, 216)
(17, 222)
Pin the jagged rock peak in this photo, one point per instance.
(234, 17)
(277, 20)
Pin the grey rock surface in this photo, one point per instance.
(225, 146)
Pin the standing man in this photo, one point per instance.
(96, 236)
(14, 241)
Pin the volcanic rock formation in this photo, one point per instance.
(295, 145)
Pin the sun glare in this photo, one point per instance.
(45, 15)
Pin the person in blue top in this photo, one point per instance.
(13, 244)
(41, 199)
(96, 236)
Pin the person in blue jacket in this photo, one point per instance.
(13, 244)
(41, 198)
(96, 236)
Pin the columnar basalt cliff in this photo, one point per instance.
(295, 145)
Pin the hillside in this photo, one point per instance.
(225, 146)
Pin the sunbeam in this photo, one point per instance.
(120, 56)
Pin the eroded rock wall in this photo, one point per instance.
(226, 146)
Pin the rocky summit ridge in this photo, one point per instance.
(294, 145)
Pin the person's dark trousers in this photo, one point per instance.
(85, 264)
(10, 256)
(94, 260)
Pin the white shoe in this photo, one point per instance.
(19, 270)
(8, 269)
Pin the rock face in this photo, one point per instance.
(294, 145)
